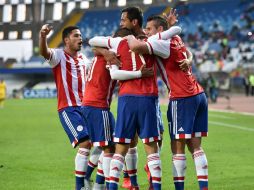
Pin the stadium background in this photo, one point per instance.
(218, 32)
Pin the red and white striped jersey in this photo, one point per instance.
(132, 62)
(99, 85)
(181, 84)
(69, 74)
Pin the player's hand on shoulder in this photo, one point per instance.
(45, 30)
(146, 72)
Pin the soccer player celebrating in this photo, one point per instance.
(96, 102)
(137, 111)
(187, 110)
(69, 72)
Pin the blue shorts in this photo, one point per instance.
(137, 114)
(73, 124)
(159, 115)
(100, 124)
(188, 117)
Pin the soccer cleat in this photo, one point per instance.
(126, 183)
(87, 185)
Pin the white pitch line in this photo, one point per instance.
(231, 111)
(220, 116)
(231, 126)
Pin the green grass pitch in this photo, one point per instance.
(35, 153)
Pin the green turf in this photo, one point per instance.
(35, 153)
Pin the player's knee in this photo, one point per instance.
(85, 144)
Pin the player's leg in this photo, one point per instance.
(100, 178)
(178, 162)
(108, 156)
(194, 144)
(160, 121)
(117, 164)
(74, 126)
(81, 164)
(149, 132)
(180, 120)
(93, 161)
(200, 161)
(125, 131)
(101, 124)
(131, 159)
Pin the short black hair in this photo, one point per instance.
(141, 37)
(134, 13)
(66, 31)
(159, 21)
(122, 32)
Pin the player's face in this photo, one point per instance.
(125, 22)
(150, 28)
(74, 41)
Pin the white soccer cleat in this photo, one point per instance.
(87, 185)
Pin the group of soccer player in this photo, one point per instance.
(130, 57)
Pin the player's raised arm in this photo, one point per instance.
(167, 34)
(171, 18)
(44, 50)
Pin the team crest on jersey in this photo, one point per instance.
(80, 128)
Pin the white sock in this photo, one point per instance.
(106, 165)
(131, 159)
(100, 167)
(81, 160)
(154, 164)
(179, 167)
(201, 164)
(116, 167)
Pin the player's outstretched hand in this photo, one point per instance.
(45, 29)
(185, 64)
(146, 72)
(172, 17)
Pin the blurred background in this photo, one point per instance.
(218, 32)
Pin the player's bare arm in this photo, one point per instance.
(186, 63)
(136, 45)
(44, 50)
